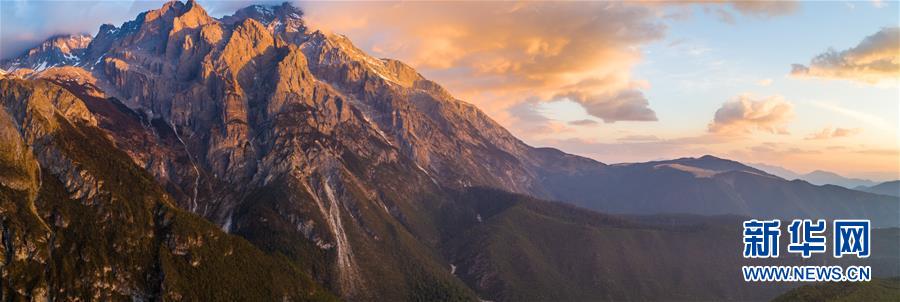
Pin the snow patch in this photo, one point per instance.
(41, 67)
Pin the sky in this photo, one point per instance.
(801, 85)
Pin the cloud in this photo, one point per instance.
(863, 117)
(829, 132)
(880, 152)
(744, 114)
(498, 54)
(764, 82)
(875, 60)
(584, 122)
(528, 118)
(638, 138)
(776, 151)
(765, 9)
(726, 10)
(24, 24)
(625, 105)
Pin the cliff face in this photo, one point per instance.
(81, 221)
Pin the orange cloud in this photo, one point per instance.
(726, 10)
(498, 54)
(875, 60)
(624, 105)
(829, 132)
(584, 122)
(744, 114)
(764, 9)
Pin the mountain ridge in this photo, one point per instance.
(817, 177)
(890, 188)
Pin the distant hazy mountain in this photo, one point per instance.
(820, 177)
(710, 186)
(817, 177)
(891, 188)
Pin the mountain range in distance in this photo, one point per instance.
(891, 188)
(250, 157)
(817, 177)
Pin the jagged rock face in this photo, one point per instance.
(78, 221)
(452, 139)
(56, 51)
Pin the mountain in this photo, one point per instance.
(56, 51)
(820, 177)
(363, 176)
(777, 171)
(817, 177)
(890, 188)
(514, 248)
(76, 208)
(712, 186)
(877, 290)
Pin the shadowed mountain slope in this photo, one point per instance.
(80, 220)
(512, 247)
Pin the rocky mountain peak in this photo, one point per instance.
(283, 20)
(191, 16)
(153, 31)
(66, 44)
(55, 51)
